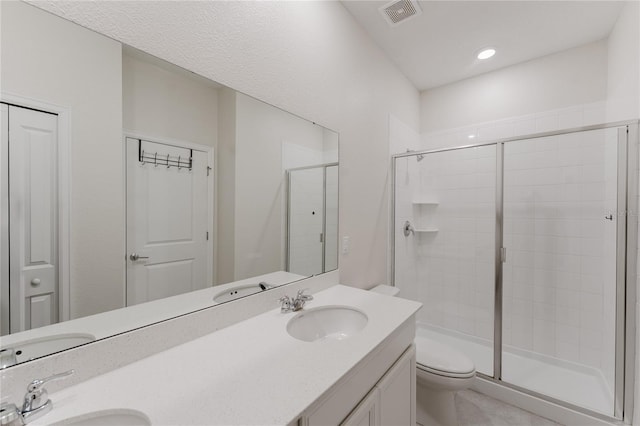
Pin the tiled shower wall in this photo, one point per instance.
(449, 198)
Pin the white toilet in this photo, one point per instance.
(441, 371)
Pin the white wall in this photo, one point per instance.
(309, 58)
(572, 77)
(224, 251)
(168, 104)
(623, 65)
(262, 133)
(69, 66)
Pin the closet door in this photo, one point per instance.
(32, 145)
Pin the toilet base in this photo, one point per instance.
(435, 408)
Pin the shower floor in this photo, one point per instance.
(573, 383)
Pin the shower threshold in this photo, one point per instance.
(571, 382)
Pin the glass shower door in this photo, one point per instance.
(561, 227)
(445, 224)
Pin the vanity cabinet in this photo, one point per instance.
(391, 401)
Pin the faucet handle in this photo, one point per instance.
(303, 296)
(38, 383)
(285, 303)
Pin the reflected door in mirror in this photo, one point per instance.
(312, 219)
(167, 210)
(29, 151)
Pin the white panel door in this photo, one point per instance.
(32, 185)
(167, 209)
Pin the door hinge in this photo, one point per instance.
(321, 237)
(207, 235)
(503, 254)
(208, 170)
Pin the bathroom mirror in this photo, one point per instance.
(134, 191)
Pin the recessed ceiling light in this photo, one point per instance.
(471, 136)
(486, 53)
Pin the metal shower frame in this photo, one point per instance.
(626, 242)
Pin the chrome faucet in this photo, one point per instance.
(36, 402)
(293, 305)
(264, 285)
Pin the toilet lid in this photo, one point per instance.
(443, 359)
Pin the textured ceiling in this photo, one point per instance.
(433, 49)
(440, 45)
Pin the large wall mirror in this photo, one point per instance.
(134, 191)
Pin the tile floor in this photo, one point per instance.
(475, 409)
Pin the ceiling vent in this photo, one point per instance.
(397, 12)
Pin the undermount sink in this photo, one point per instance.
(240, 291)
(327, 323)
(109, 418)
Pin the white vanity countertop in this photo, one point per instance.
(251, 373)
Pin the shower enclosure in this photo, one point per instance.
(523, 252)
(312, 219)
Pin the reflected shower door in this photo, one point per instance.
(561, 224)
(305, 208)
(331, 218)
(446, 202)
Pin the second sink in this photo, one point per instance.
(327, 322)
(108, 418)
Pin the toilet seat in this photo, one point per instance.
(440, 359)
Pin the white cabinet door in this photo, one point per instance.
(167, 209)
(398, 392)
(390, 402)
(367, 412)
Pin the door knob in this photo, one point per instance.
(35, 282)
(136, 256)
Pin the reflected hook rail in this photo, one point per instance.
(179, 162)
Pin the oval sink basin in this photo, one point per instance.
(327, 323)
(108, 418)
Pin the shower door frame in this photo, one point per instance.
(626, 242)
